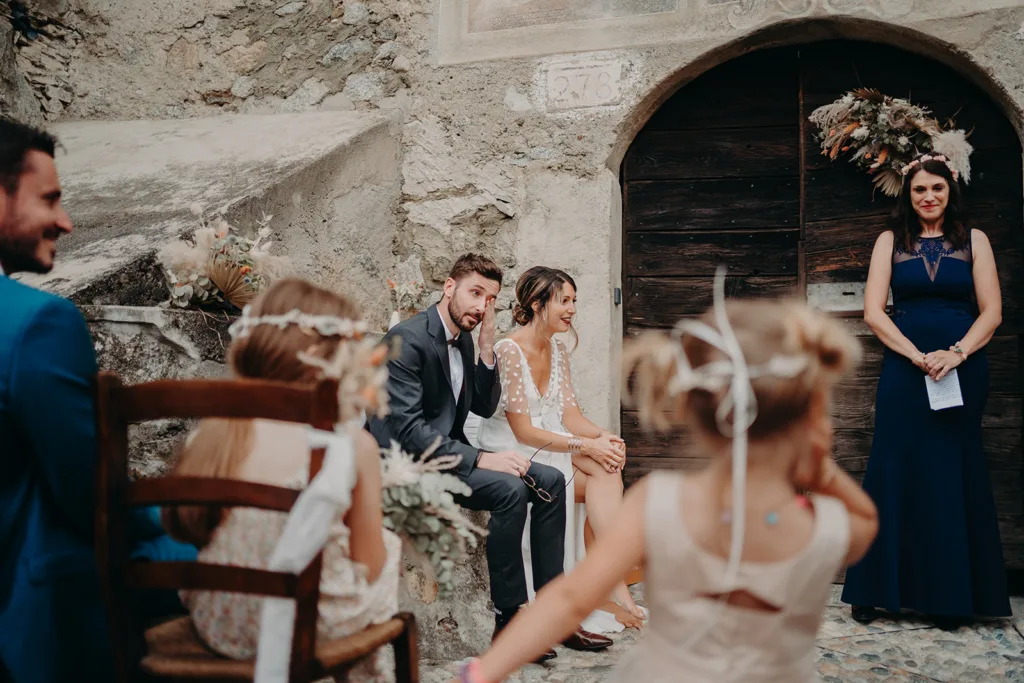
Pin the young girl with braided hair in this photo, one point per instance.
(739, 564)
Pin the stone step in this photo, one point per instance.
(332, 181)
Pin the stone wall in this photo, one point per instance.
(16, 96)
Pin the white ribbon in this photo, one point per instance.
(305, 534)
(740, 403)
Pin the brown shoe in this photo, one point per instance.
(587, 641)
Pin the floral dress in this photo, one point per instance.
(229, 622)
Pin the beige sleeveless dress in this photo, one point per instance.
(743, 644)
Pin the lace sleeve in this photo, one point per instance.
(513, 388)
(565, 378)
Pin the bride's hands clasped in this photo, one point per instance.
(607, 450)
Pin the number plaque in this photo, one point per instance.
(585, 83)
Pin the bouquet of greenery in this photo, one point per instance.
(217, 267)
(420, 508)
(883, 134)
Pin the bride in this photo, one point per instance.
(538, 416)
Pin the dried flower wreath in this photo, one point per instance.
(884, 134)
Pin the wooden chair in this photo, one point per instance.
(172, 651)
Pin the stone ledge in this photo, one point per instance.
(460, 625)
(331, 180)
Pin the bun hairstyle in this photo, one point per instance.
(767, 331)
(534, 290)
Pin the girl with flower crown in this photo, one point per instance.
(739, 564)
(293, 332)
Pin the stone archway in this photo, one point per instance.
(726, 170)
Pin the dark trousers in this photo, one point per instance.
(506, 497)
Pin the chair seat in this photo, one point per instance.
(174, 650)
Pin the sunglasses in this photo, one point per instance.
(532, 483)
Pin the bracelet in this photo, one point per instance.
(575, 445)
(958, 350)
(470, 672)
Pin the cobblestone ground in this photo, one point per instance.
(889, 650)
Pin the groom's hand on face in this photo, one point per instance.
(508, 462)
(488, 327)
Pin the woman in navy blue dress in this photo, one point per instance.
(938, 550)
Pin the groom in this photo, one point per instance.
(433, 384)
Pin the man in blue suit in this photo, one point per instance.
(52, 621)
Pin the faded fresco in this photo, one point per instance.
(497, 15)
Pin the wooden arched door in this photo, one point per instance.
(728, 171)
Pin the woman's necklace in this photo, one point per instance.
(771, 517)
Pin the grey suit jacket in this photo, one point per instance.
(422, 404)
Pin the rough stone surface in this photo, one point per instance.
(289, 9)
(355, 13)
(16, 97)
(142, 344)
(460, 625)
(330, 180)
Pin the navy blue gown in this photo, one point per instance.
(938, 550)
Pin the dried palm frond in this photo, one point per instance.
(889, 181)
(233, 282)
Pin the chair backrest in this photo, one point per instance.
(117, 407)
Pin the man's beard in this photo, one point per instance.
(457, 315)
(19, 256)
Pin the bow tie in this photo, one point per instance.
(454, 342)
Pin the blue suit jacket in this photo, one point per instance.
(52, 623)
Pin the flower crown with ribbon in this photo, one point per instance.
(930, 157)
(359, 367)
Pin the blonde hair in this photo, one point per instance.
(219, 447)
(765, 330)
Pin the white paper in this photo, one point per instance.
(945, 393)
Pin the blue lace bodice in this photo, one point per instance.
(933, 270)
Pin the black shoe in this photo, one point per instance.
(948, 623)
(864, 615)
(502, 619)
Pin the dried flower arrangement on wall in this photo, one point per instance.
(883, 134)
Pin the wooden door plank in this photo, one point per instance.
(662, 302)
(723, 153)
(727, 204)
(659, 254)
